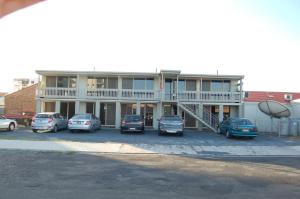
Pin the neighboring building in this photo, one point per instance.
(263, 121)
(21, 102)
(20, 83)
(2, 104)
(202, 100)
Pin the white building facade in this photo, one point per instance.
(201, 100)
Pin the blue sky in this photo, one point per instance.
(256, 38)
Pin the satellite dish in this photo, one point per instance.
(274, 109)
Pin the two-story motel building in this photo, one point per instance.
(202, 100)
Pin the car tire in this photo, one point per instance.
(34, 130)
(160, 133)
(55, 129)
(227, 134)
(11, 127)
(180, 134)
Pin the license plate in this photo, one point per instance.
(131, 128)
(245, 130)
(78, 122)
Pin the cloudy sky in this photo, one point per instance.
(256, 38)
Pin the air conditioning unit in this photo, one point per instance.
(288, 97)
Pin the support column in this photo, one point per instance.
(118, 114)
(119, 87)
(97, 111)
(138, 108)
(57, 106)
(77, 107)
(200, 114)
(38, 106)
(241, 110)
(221, 113)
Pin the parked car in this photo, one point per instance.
(86, 122)
(7, 124)
(132, 123)
(170, 124)
(239, 127)
(48, 121)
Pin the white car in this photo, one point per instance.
(7, 124)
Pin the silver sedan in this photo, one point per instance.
(87, 122)
(7, 123)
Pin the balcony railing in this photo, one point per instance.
(56, 92)
(187, 96)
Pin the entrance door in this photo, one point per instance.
(67, 109)
(170, 89)
(108, 114)
(147, 114)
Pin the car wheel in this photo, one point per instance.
(180, 134)
(11, 127)
(160, 133)
(34, 130)
(228, 134)
(54, 130)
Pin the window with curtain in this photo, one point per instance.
(127, 83)
(62, 82)
(190, 85)
(50, 81)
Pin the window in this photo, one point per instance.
(101, 82)
(190, 85)
(112, 82)
(50, 81)
(92, 82)
(149, 84)
(72, 82)
(181, 85)
(205, 85)
(127, 83)
(216, 85)
(62, 82)
(139, 83)
(226, 86)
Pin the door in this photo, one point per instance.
(147, 114)
(2, 121)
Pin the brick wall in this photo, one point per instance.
(21, 101)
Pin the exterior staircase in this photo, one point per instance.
(206, 117)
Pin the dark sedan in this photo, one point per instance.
(132, 123)
(239, 127)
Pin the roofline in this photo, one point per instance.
(22, 89)
(113, 73)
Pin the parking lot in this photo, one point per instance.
(191, 137)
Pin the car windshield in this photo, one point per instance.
(84, 117)
(133, 118)
(171, 118)
(242, 122)
(2, 117)
(43, 116)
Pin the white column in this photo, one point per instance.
(198, 88)
(221, 107)
(97, 112)
(57, 106)
(38, 106)
(119, 87)
(241, 110)
(138, 108)
(118, 114)
(77, 107)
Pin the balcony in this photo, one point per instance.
(130, 94)
(54, 92)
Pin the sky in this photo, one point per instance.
(256, 38)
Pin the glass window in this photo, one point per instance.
(139, 83)
(50, 81)
(181, 85)
(92, 82)
(62, 82)
(205, 85)
(216, 85)
(149, 84)
(72, 82)
(112, 82)
(226, 86)
(127, 83)
(190, 85)
(101, 82)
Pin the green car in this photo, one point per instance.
(239, 127)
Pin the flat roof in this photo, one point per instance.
(113, 73)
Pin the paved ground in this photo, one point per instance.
(150, 137)
(46, 175)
